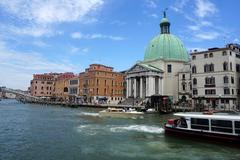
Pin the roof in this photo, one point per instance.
(219, 116)
(166, 47)
(150, 67)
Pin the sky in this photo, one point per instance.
(39, 36)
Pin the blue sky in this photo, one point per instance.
(38, 36)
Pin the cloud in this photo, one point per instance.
(151, 3)
(207, 35)
(79, 35)
(236, 40)
(18, 67)
(54, 11)
(154, 15)
(179, 5)
(40, 43)
(205, 8)
(39, 18)
(79, 51)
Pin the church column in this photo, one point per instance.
(151, 86)
(160, 86)
(147, 86)
(135, 87)
(141, 87)
(127, 88)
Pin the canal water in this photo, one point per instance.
(38, 132)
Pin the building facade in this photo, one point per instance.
(216, 77)
(42, 85)
(61, 85)
(100, 84)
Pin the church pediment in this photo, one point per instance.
(138, 68)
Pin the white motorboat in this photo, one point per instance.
(120, 113)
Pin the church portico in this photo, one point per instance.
(144, 81)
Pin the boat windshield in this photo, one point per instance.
(181, 123)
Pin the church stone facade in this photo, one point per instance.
(157, 74)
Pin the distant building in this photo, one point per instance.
(100, 84)
(42, 85)
(216, 77)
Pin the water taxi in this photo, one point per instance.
(120, 113)
(217, 127)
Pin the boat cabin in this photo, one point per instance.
(214, 123)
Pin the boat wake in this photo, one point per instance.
(138, 128)
(94, 129)
(88, 114)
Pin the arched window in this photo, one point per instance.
(194, 81)
(194, 69)
(225, 79)
(225, 66)
(224, 53)
(211, 55)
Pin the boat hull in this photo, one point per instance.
(231, 140)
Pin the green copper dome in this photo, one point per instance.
(166, 46)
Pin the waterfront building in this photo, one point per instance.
(100, 84)
(157, 74)
(216, 78)
(72, 88)
(42, 85)
(185, 84)
(61, 85)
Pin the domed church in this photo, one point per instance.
(157, 74)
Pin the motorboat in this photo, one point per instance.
(217, 127)
(120, 113)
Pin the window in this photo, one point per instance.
(233, 91)
(231, 66)
(205, 55)
(97, 82)
(183, 87)
(209, 68)
(169, 68)
(210, 81)
(225, 79)
(41, 88)
(47, 88)
(194, 69)
(105, 83)
(183, 76)
(211, 55)
(237, 67)
(74, 82)
(195, 92)
(225, 66)
(202, 124)
(193, 57)
(237, 127)
(65, 89)
(224, 53)
(42, 82)
(232, 80)
(73, 90)
(230, 53)
(221, 126)
(210, 92)
(226, 91)
(35, 87)
(97, 91)
(194, 81)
